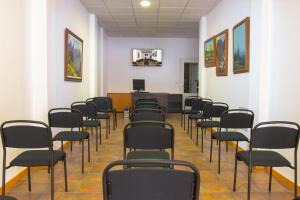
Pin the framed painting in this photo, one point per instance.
(73, 56)
(241, 47)
(209, 52)
(222, 53)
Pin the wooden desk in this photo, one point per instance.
(121, 100)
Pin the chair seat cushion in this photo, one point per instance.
(71, 136)
(103, 116)
(297, 198)
(195, 116)
(91, 123)
(229, 136)
(37, 158)
(7, 198)
(148, 155)
(205, 124)
(264, 158)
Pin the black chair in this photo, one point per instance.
(187, 111)
(211, 111)
(106, 106)
(149, 139)
(36, 136)
(151, 183)
(270, 136)
(150, 105)
(72, 119)
(147, 114)
(148, 100)
(102, 111)
(7, 198)
(89, 113)
(197, 106)
(233, 119)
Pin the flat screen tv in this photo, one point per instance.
(147, 57)
(138, 84)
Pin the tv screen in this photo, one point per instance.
(139, 84)
(147, 57)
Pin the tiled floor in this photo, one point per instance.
(89, 184)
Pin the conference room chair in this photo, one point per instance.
(35, 138)
(106, 106)
(150, 183)
(210, 119)
(149, 139)
(187, 108)
(197, 106)
(231, 123)
(150, 105)
(67, 118)
(147, 100)
(89, 114)
(7, 198)
(102, 112)
(267, 138)
(147, 114)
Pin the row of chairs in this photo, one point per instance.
(35, 135)
(267, 136)
(149, 169)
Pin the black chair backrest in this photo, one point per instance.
(147, 114)
(237, 118)
(103, 104)
(188, 100)
(65, 118)
(26, 134)
(153, 135)
(196, 104)
(149, 100)
(150, 105)
(215, 109)
(151, 183)
(275, 135)
(87, 109)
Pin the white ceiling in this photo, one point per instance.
(164, 18)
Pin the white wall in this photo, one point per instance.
(227, 89)
(167, 78)
(32, 59)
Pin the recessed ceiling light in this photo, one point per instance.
(145, 3)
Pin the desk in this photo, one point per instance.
(172, 102)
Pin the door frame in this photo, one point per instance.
(183, 61)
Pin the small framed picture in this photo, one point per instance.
(210, 52)
(241, 46)
(222, 53)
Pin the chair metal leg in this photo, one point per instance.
(295, 177)
(211, 146)
(29, 179)
(270, 179)
(235, 174)
(188, 126)
(197, 133)
(96, 138)
(62, 145)
(100, 134)
(219, 161)
(109, 125)
(82, 154)
(202, 140)
(249, 181)
(184, 122)
(3, 177)
(106, 127)
(65, 172)
(71, 146)
(181, 119)
(89, 150)
(116, 119)
(52, 178)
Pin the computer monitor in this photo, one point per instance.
(138, 84)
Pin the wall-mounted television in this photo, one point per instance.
(147, 57)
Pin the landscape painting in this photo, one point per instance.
(222, 53)
(209, 52)
(241, 34)
(73, 56)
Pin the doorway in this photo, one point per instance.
(191, 79)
